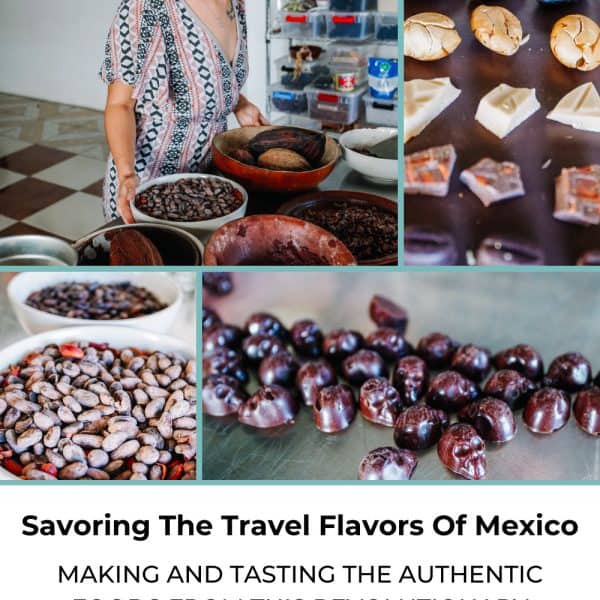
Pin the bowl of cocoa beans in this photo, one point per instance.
(98, 403)
(47, 301)
(198, 203)
(275, 159)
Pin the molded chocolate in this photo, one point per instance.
(222, 395)
(363, 365)
(462, 451)
(547, 411)
(340, 343)
(307, 338)
(388, 464)
(262, 323)
(472, 361)
(334, 409)
(450, 391)
(256, 347)
(312, 377)
(570, 372)
(410, 378)
(224, 361)
(278, 369)
(209, 317)
(388, 342)
(524, 359)
(428, 246)
(420, 427)
(386, 313)
(380, 401)
(587, 410)
(510, 386)
(437, 349)
(492, 418)
(270, 406)
(220, 336)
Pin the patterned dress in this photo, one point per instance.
(183, 85)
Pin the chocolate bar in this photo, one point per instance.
(578, 195)
(428, 172)
(493, 181)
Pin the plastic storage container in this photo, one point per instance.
(386, 27)
(299, 24)
(350, 26)
(381, 112)
(388, 5)
(353, 5)
(296, 77)
(356, 55)
(288, 100)
(343, 108)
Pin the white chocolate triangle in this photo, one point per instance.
(424, 100)
(580, 108)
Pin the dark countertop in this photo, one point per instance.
(495, 310)
(476, 70)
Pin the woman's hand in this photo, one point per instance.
(248, 114)
(127, 187)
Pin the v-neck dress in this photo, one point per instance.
(183, 85)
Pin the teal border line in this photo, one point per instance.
(400, 135)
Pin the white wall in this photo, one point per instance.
(52, 49)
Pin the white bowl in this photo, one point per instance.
(116, 337)
(164, 287)
(378, 170)
(202, 229)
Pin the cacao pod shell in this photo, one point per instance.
(309, 144)
(243, 155)
(130, 248)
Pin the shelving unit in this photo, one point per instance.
(302, 119)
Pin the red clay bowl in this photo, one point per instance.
(296, 206)
(265, 180)
(275, 240)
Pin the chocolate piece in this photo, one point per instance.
(492, 418)
(420, 427)
(428, 172)
(472, 361)
(591, 258)
(462, 451)
(522, 358)
(389, 343)
(340, 343)
(334, 409)
(219, 336)
(307, 338)
(587, 410)
(496, 250)
(437, 350)
(256, 347)
(209, 318)
(278, 369)
(312, 377)
(578, 195)
(386, 313)
(265, 324)
(450, 391)
(271, 406)
(493, 181)
(388, 464)
(570, 372)
(379, 401)
(222, 395)
(547, 411)
(362, 365)
(129, 247)
(410, 378)
(427, 246)
(218, 284)
(224, 361)
(511, 387)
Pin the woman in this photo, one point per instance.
(174, 70)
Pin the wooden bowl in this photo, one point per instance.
(275, 240)
(297, 206)
(265, 180)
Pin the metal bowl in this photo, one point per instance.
(177, 248)
(36, 250)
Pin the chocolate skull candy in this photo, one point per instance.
(312, 377)
(510, 386)
(437, 349)
(410, 378)
(524, 359)
(472, 361)
(450, 391)
(492, 418)
(379, 401)
(265, 324)
(307, 338)
(587, 410)
(209, 317)
(270, 406)
(420, 427)
(340, 343)
(462, 451)
(334, 409)
(222, 395)
(547, 411)
(570, 372)
(389, 343)
(220, 335)
(388, 464)
(362, 365)
(386, 313)
(278, 368)
(258, 346)
(224, 361)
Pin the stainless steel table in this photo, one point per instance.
(555, 312)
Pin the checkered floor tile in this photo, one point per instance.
(48, 190)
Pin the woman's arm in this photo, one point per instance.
(119, 123)
(248, 114)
